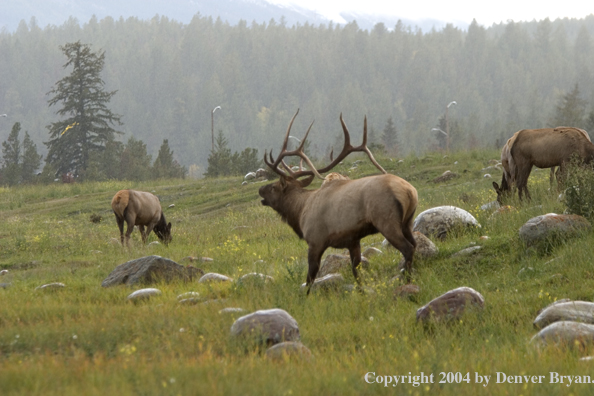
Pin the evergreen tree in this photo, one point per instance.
(105, 165)
(246, 161)
(570, 111)
(11, 156)
(220, 160)
(165, 166)
(87, 126)
(135, 163)
(30, 161)
(390, 136)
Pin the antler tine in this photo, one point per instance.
(286, 141)
(366, 149)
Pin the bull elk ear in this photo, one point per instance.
(283, 182)
(496, 187)
(307, 181)
(169, 226)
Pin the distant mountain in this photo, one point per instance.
(56, 12)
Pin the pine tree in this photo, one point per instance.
(135, 163)
(11, 155)
(87, 126)
(571, 110)
(30, 161)
(165, 166)
(220, 160)
(390, 136)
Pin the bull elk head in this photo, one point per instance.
(342, 211)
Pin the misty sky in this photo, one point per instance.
(485, 12)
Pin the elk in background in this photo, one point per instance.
(547, 148)
(507, 162)
(341, 212)
(142, 209)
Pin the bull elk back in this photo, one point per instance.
(341, 212)
(142, 209)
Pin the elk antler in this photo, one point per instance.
(346, 150)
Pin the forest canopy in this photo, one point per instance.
(170, 76)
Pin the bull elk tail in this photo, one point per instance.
(119, 203)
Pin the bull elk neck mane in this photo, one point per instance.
(342, 211)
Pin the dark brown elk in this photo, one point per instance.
(507, 161)
(142, 209)
(342, 212)
(546, 148)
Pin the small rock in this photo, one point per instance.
(51, 286)
(490, 205)
(524, 270)
(144, 294)
(148, 270)
(191, 301)
(370, 252)
(250, 176)
(485, 237)
(467, 252)
(171, 206)
(231, 310)
(188, 295)
(407, 291)
(3, 272)
(450, 305)
(270, 326)
(253, 276)
(445, 176)
(154, 243)
(288, 350)
(214, 277)
(487, 176)
(328, 282)
(553, 303)
(4, 285)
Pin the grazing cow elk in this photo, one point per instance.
(342, 212)
(508, 179)
(141, 209)
(546, 148)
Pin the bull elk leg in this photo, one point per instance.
(314, 256)
(120, 222)
(143, 234)
(355, 253)
(130, 222)
(402, 239)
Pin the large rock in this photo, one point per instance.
(575, 311)
(150, 269)
(269, 326)
(552, 226)
(425, 246)
(334, 263)
(450, 305)
(441, 220)
(565, 333)
(213, 277)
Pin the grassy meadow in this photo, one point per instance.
(88, 340)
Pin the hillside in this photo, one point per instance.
(88, 339)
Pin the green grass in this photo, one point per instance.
(85, 339)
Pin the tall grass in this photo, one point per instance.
(85, 339)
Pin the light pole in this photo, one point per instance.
(447, 132)
(212, 125)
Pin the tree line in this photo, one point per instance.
(167, 77)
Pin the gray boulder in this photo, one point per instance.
(565, 333)
(269, 326)
(442, 220)
(575, 311)
(553, 226)
(150, 269)
(450, 305)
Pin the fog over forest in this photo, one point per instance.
(169, 76)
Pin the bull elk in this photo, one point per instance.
(341, 212)
(544, 148)
(142, 209)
